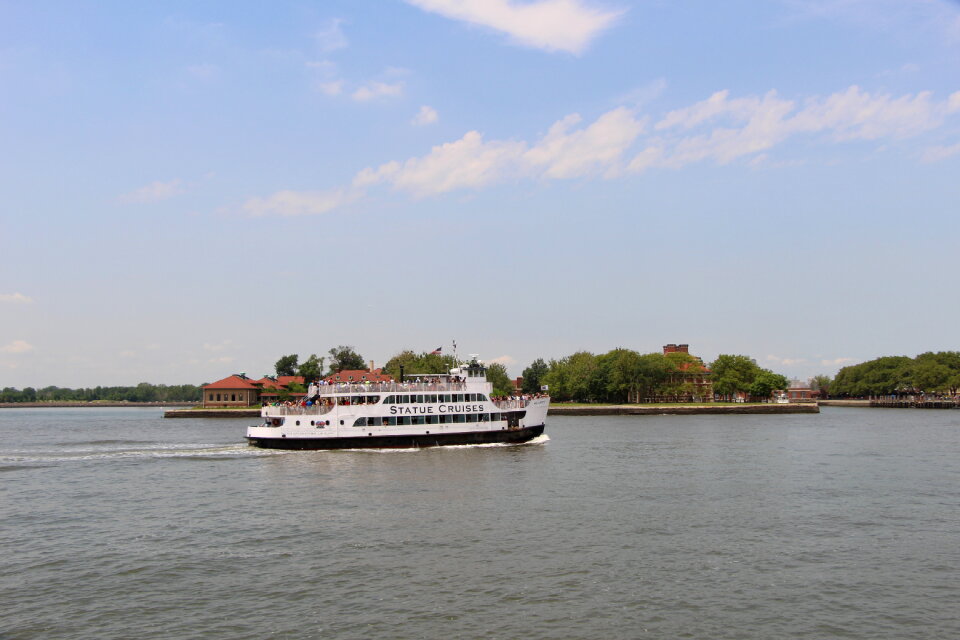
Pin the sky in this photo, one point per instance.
(194, 189)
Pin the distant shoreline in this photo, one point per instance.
(576, 410)
(185, 409)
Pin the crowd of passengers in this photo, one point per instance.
(520, 400)
(310, 401)
(314, 397)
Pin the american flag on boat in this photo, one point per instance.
(436, 351)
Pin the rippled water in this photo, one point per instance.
(119, 524)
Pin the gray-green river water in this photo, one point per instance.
(119, 524)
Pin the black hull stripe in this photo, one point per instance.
(401, 441)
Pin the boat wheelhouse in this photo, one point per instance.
(420, 410)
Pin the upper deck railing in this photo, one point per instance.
(380, 387)
(300, 410)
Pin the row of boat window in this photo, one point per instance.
(447, 418)
(430, 398)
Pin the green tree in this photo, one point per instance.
(311, 368)
(930, 376)
(344, 358)
(533, 376)
(618, 372)
(881, 376)
(766, 382)
(10, 394)
(654, 370)
(287, 365)
(822, 384)
(732, 374)
(433, 363)
(405, 358)
(557, 379)
(145, 392)
(584, 380)
(497, 374)
(418, 363)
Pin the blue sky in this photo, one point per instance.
(192, 189)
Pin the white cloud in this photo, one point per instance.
(153, 192)
(936, 154)
(953, 103)
(332, 88)
(15, 298)
(470, 162)
(377, 90)
(221, 360)
(17, 346)
(504, 360)
(296, 203)
(127, 353)
(745, 126)
(426, 115)
(597, 148)
(225, 344)
(466, 163)
(552, 25)
(719, 129)
(856, 114)
(330, 37)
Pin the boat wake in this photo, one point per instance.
(539, 440)
(10, 460)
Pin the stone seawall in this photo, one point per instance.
(212, 413)
(686, 410)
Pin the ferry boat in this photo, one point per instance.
(421, 410)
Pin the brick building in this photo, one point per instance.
(233, 391)
(689, 382)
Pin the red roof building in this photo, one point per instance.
(232, 391)
(240, 391)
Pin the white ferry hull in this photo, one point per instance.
(430, 412)
(401, 441)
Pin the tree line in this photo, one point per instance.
(345, 358)
(143, 392)
(622, 373)
(580, 377)
(927, 373)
